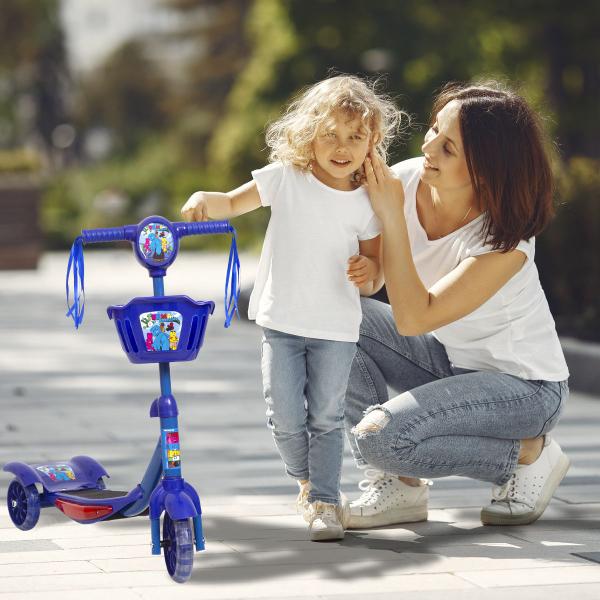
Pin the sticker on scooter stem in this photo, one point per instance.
(172, 455)
(57, 472)
(161, 330)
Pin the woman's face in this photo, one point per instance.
(445, 166)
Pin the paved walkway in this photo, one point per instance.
(64, 392)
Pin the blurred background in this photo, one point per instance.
(112, 110)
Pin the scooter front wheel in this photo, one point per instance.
(23, 505)
(178, 548)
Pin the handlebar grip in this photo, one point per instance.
(108, 234)
(203, 227)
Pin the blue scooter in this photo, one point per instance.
(155, 329)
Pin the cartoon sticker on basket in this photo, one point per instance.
(57, 472)
(156, 242)
(161, 330)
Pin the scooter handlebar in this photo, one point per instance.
(164, 237)
(204, 227)
(126, 233)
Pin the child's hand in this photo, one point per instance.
(361, 270)
(196, 208)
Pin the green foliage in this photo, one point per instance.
(569, 251)
(273, 40)
(126, 95)
(25, 26)
(18, 161)
(32, 72)
(215, 33)
(154, 181)
(110, 194)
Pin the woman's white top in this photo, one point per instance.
(301, 284)
(512, 332)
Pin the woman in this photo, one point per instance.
(468, 342)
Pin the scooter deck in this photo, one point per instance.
(97, 494)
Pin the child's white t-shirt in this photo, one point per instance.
(301, 284)
(512, 332)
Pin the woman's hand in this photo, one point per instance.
(361, 269)
(196, 208)
(385, 189)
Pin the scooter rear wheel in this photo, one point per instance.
(23, 505)
(178, 548)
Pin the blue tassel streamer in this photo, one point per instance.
(232, 281)
(75, 310)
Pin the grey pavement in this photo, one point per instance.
(65, 392)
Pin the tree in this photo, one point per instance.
(33, 72)
(127, 95)
(218, 50)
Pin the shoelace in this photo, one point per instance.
(374, 481)
(503, 492)
(372, 476)
(371, 486)
(324, 511)
(508, 493)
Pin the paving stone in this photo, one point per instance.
(583, 591)
(117, 593)
(26, 546)
(554, 576)
(311, 588)
(72, 567)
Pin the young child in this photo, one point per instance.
(321, 246)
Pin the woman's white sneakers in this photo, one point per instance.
(525, 496)
(387, 500)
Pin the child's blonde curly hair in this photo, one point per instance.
(290, 137)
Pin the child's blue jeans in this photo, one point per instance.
(304, 383)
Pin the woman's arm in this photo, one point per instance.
(416, 309)
(202, 206)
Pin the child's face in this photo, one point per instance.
(340, 149)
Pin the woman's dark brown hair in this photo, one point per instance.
(507, 160)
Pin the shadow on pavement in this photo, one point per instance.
(418, 547)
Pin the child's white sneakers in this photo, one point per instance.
(525, 496)
(324, 522)
(387, 500)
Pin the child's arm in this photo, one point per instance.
(364, 268)
(202, 206)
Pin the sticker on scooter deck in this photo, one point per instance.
(57, 472)
(172, 454)
(161, 330)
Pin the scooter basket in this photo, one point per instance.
(155, 329)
